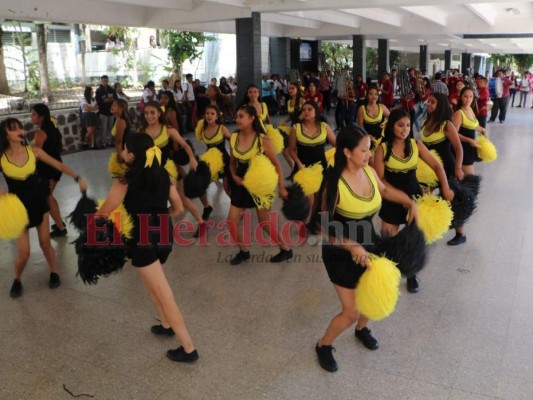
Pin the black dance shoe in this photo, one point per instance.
(54, 281)
(179, 355)
(240, 257)
(412, 285)
(207, 212)
(365, 337)
(325, 357)
(283, 255)
(161, 330)
(457, 240)
(16, 289)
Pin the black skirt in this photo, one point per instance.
(240, 197)
(444, 150)
(469, 152)
(33, 193)
(394, 213)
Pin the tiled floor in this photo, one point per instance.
(467, 335)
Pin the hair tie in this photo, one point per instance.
(151, 153)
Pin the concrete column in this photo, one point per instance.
(466, 62)
(280, 55)
(383, 55)
(447, 60)
(424, 58)
(478, 61)
(359, 56)
(248, 37)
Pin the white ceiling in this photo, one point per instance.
(440, 24)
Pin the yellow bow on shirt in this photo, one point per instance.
(151, 153)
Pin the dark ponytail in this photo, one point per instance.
(395, 116)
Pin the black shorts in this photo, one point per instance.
(141, 256)
(89, 119)
(342, 270)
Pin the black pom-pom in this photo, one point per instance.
(407, 249)
(78, 217)
(180, 156)
(196, 182)
(465, 198)
(296, 206)
(96, 260)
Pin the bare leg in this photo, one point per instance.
(43, 232)
(188, 204)
(54, 207)
(234, 220)
(23, 253)
(155, 282)
(389, 229)
(262, 216)
(343, 320)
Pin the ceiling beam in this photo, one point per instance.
(484, 11)
(332, 17)
(183, 5)
(429, 13)
(377, 14)
(285, 19)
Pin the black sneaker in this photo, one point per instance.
(16, 289)
(325, 357)
(365, 337)
(54, 281)
(207, 212)
(58, 233)
(180, 355)
(240, 257)
(457, 240)
(283, 255)
(55, 228)
(412, 285)
(161, 330)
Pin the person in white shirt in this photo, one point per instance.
(189, 100)
(525, 87)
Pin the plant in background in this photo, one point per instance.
(183, 46)
(336, 56)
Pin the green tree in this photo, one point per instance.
(44, 87)
(336, 56)
(501, 60)
(128, 36)
(523, 62)
(183, 46)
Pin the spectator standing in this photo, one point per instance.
(501, 103)
(165, 87)
(438, 86)
(387, 90)
(189, 100)
(525, 88)
(482, 101)
(120, 92)
(105, 96)
(89, 119)
(325, 89)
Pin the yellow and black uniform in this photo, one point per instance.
(31, 189)
(53, 146)
(240, 197)
(217, 141)
(354, 212)
(371, 124)
(310, 149)
(468, 129)
(143, 202)
(400, 173)
(439, 142)
(124, 136)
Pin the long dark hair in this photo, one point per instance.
(442, 113)
(43, 111)
(87, 94)
(152, 179)
(395, 116)
(460, 101)
(246, 99)
(348, 138)
(162, 118)
(7, 124)
(295, 118)
(372, 87)
(318, 115)
(171, 102)
(217, 110)
(124, 114)
(257, 126)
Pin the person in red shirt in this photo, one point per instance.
(312, 94)
(387, 90)
(325, 89)
(482, 101)
(454, 96)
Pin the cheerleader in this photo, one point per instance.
(351, 194)
(439, 134)
(18, 163)
(146, 189)
(163, 137)
(371, 115)
(249, 141)
(212, 133)
(308, 138)
(48, 138)
(466, 122)
(122, 126)
(395, 162)
(294, 110)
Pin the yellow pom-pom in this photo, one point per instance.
(214, 159)
(13, 217)
(425, 174)
(275, 138)
(434, 217)
(116, 168)
(330, 156)
(261, 181)
(309, 178)
(486, 149)
(285, 129)
(121, 219)
(172, 170)
(378, 289)
(199, 130)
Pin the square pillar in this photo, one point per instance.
(447, 60)
(248, 37)
(359, 56)
(423, 63)
(466, 62)
(383, 55)
(280, 55)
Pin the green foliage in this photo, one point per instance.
(183, 45)
(501, 60)
(371, 61)
(336, 56)
(146, 71)
(523, 62)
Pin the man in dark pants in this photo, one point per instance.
(105, 96)
(500, 103)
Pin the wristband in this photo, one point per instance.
(77, 178)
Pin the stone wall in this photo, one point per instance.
(68, 122)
